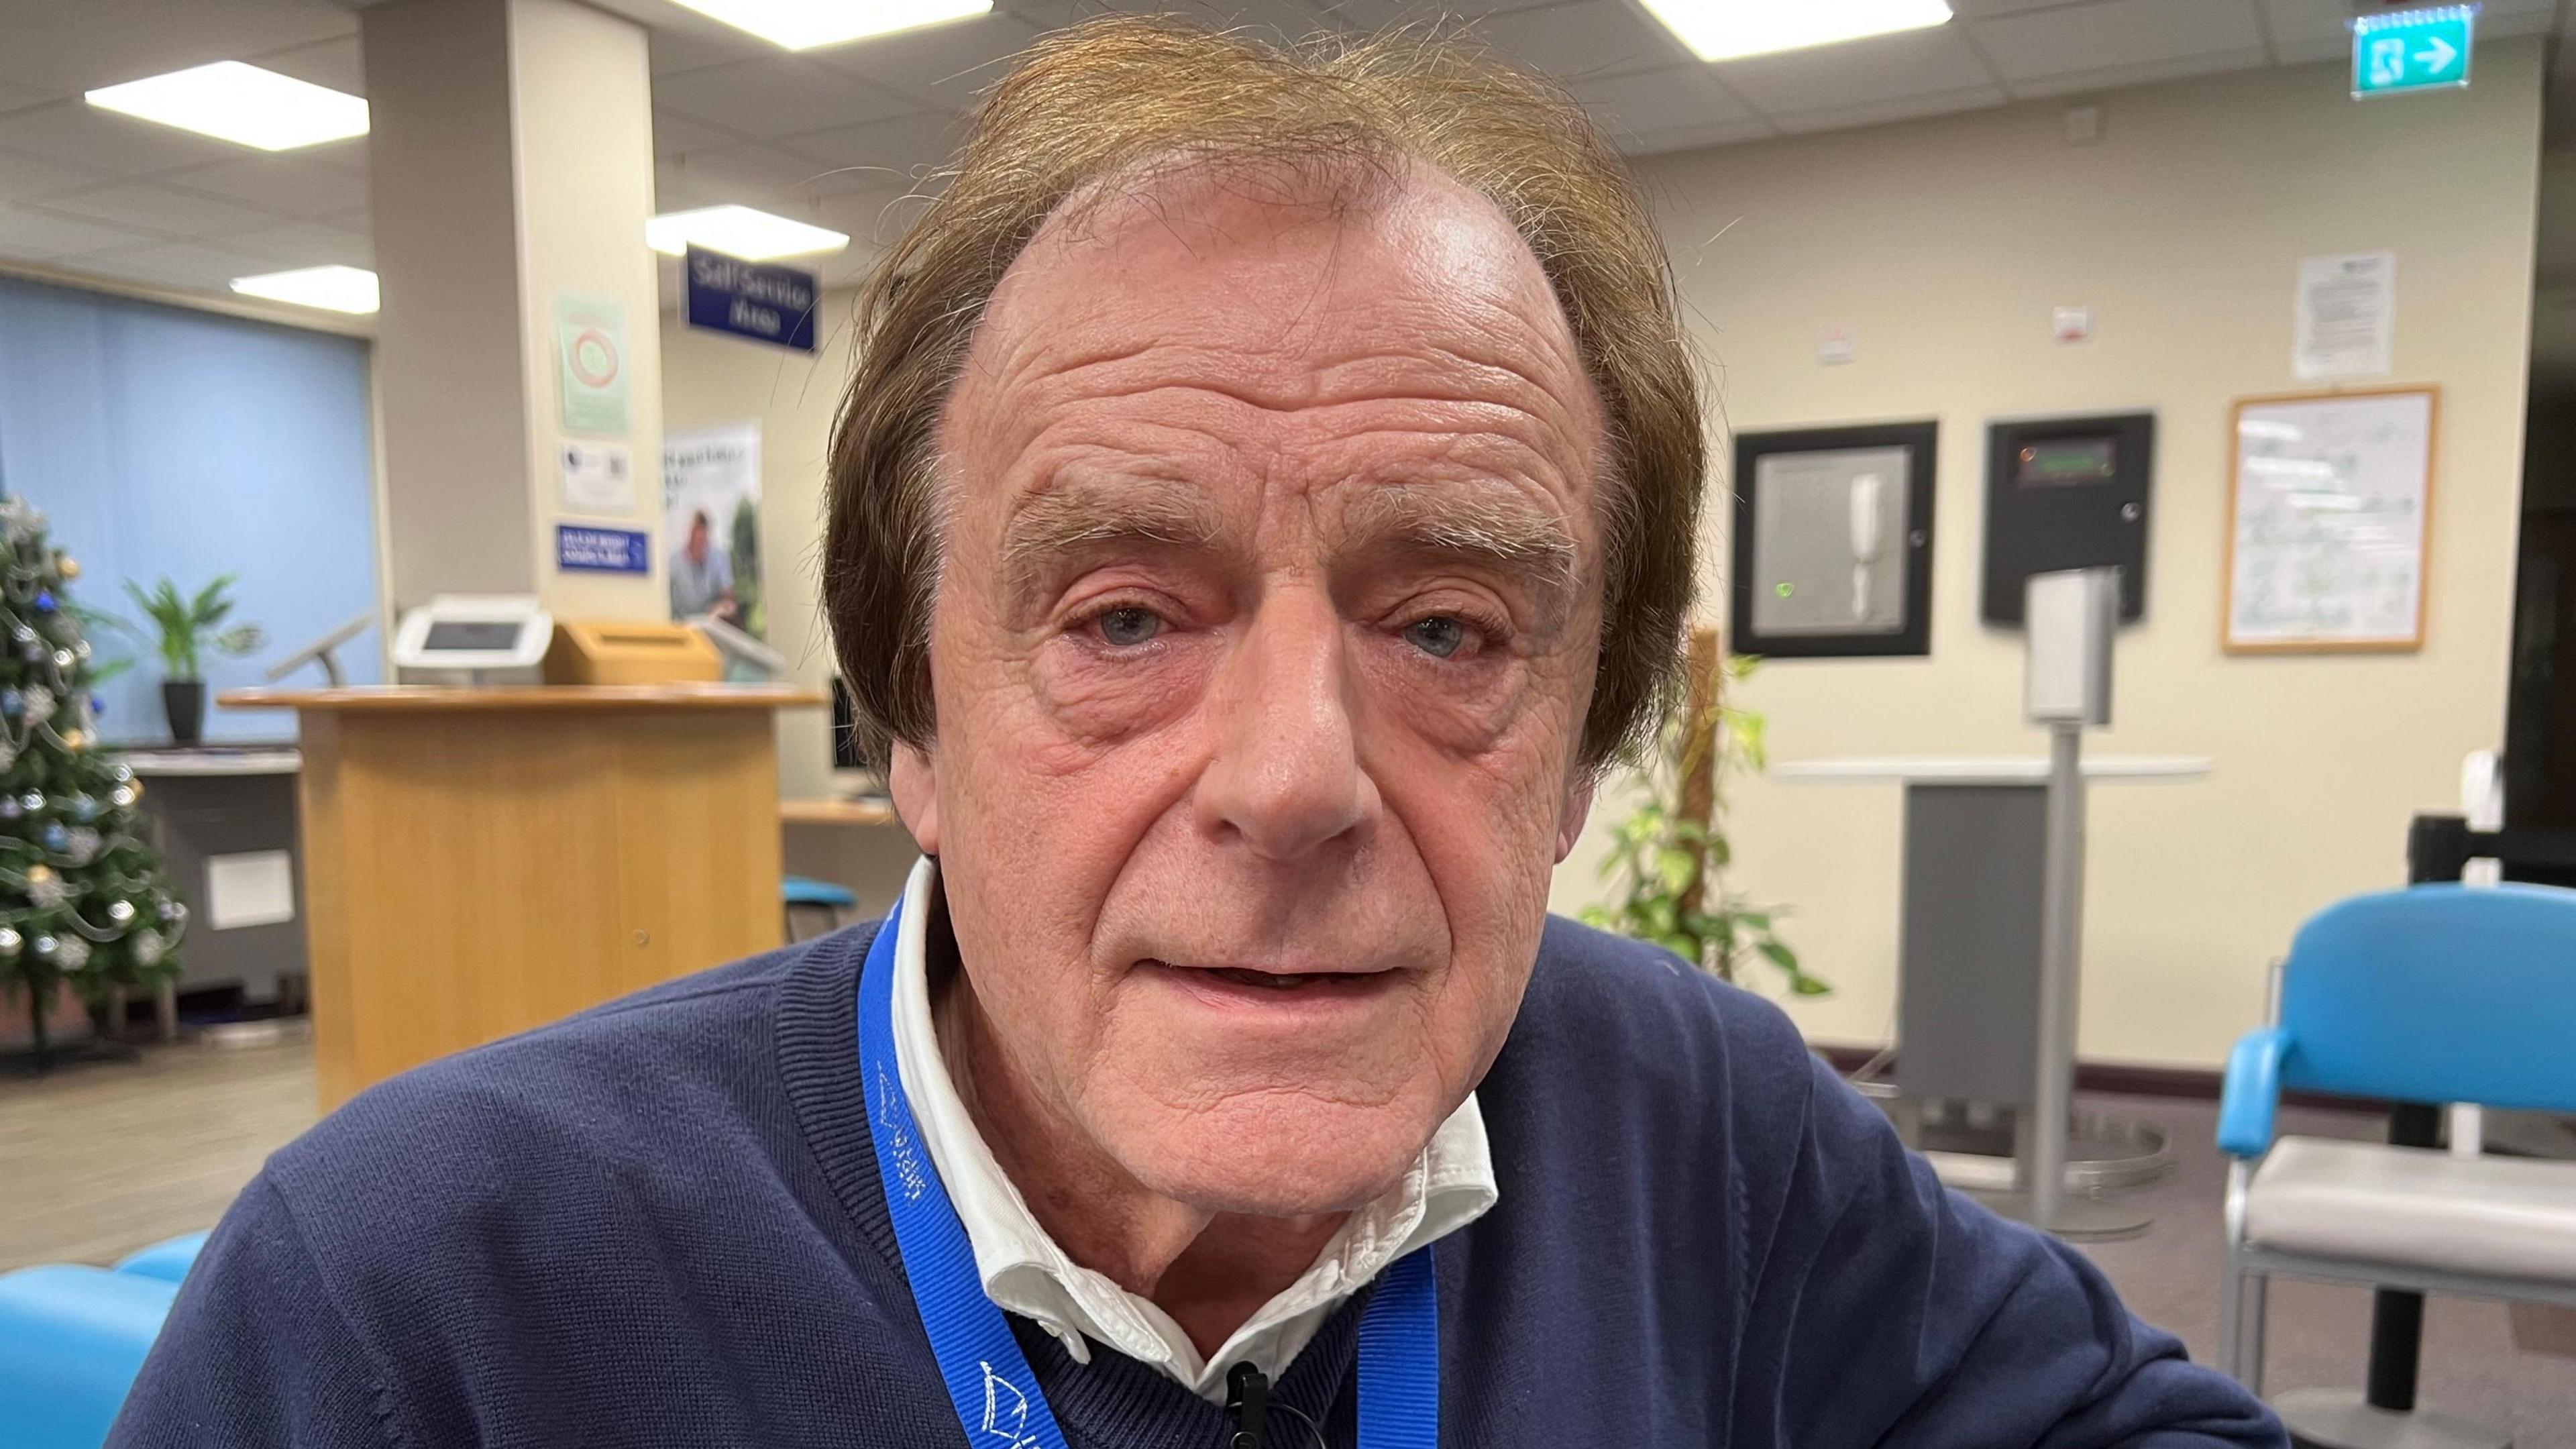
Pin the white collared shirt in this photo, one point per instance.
(1026, 1273)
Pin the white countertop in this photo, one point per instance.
(215, 761)
(1988, 769)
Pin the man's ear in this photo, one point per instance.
(912, 777)
(1578, 808)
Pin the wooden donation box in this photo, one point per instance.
(479, 861)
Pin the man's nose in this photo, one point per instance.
(1286, 773)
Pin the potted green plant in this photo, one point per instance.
(1669, 856)
(185, 629)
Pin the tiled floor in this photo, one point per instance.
(98, 1160)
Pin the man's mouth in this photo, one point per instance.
(1283, 982)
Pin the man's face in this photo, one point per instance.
(1267, 619)
(697, 541)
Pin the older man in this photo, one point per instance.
(1264, 505)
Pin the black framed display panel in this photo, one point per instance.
(1833, 542)
(2067, 493)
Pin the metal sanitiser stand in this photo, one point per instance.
(2072, 617)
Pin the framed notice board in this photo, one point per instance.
(2328, 521)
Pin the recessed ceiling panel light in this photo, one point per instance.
(738, 231)
(805, 24)
(240, 103)
(340, 289)
(1729, 29)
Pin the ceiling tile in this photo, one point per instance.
(2148, 73)
(154, 207)
(307, 244)
(1685, 138)
(1659, 100)
(1365, 16)
(15, 97)
(177, 264)
(23, 176)
(1272, 20)
(76, 45)
(37, 235)
(1904, 108)
(748, 174)
(895, 151)
(286, 185)
(333, 63)
(939, 65)
(675, 134)
(79, 132)
(2114, 33)
(1582, 37)
(682, 39)
(874, 220)
(772, 96)
(1858, 72)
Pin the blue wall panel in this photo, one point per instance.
(168, 442)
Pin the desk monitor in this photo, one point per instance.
(474, 631)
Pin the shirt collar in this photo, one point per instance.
(1025, 1272)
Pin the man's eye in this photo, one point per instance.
(1128, 626)
(1438, 636)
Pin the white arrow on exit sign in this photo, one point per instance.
(2437, 55)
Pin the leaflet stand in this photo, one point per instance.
(2072, 617)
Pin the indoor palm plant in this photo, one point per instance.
(1670, 854)
(185, 628)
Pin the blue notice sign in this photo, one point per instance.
(602, 550)
(750, 299)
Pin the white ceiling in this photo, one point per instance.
(838, 135)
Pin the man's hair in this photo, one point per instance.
(1106, 101)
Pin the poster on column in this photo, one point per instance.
(711, 524)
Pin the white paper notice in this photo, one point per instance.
(2347, 317)
(255, 888)
(597, 478)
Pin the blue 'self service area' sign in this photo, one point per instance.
(581, 549)
(750, 299)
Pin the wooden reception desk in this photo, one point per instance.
(479, 861)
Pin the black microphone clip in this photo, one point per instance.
(1247, 1398)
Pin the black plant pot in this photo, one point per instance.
(184, 701)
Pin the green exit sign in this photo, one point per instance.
(2412, 50)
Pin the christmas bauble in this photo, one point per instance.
(67, 566)
(75, 740)
(172, 913)
(10, 809)
(122, 797)
(147, 946)
(45, 888)
(37, 705)
(11, 943)
(72, 954)
(32, 801)
(120, 772)
(83, 808)
(11, 701)
(57, 837)
(44, 601)
(22, 634)
(64, 659)
(84, 845)
(45, 947)
(120, 912)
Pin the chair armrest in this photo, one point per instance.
(2252, 1091)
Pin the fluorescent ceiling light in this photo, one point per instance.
(1728, 29)
(805, 24)
(738, 231)
(242, 103)
(341, 289)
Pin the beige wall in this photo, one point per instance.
(1944, 244)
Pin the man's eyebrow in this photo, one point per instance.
(1079, 515)
(1468, 523)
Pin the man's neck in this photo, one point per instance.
(1210, 1271)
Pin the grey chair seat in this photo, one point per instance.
(2497, 1217)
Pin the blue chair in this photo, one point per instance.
(167, 1261)
(71, 1340)
(2435, 994)
(799, 892)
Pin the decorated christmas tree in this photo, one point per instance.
(82, 897)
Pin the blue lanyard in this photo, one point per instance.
(989, 1381)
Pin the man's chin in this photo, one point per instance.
(1294, 1157)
